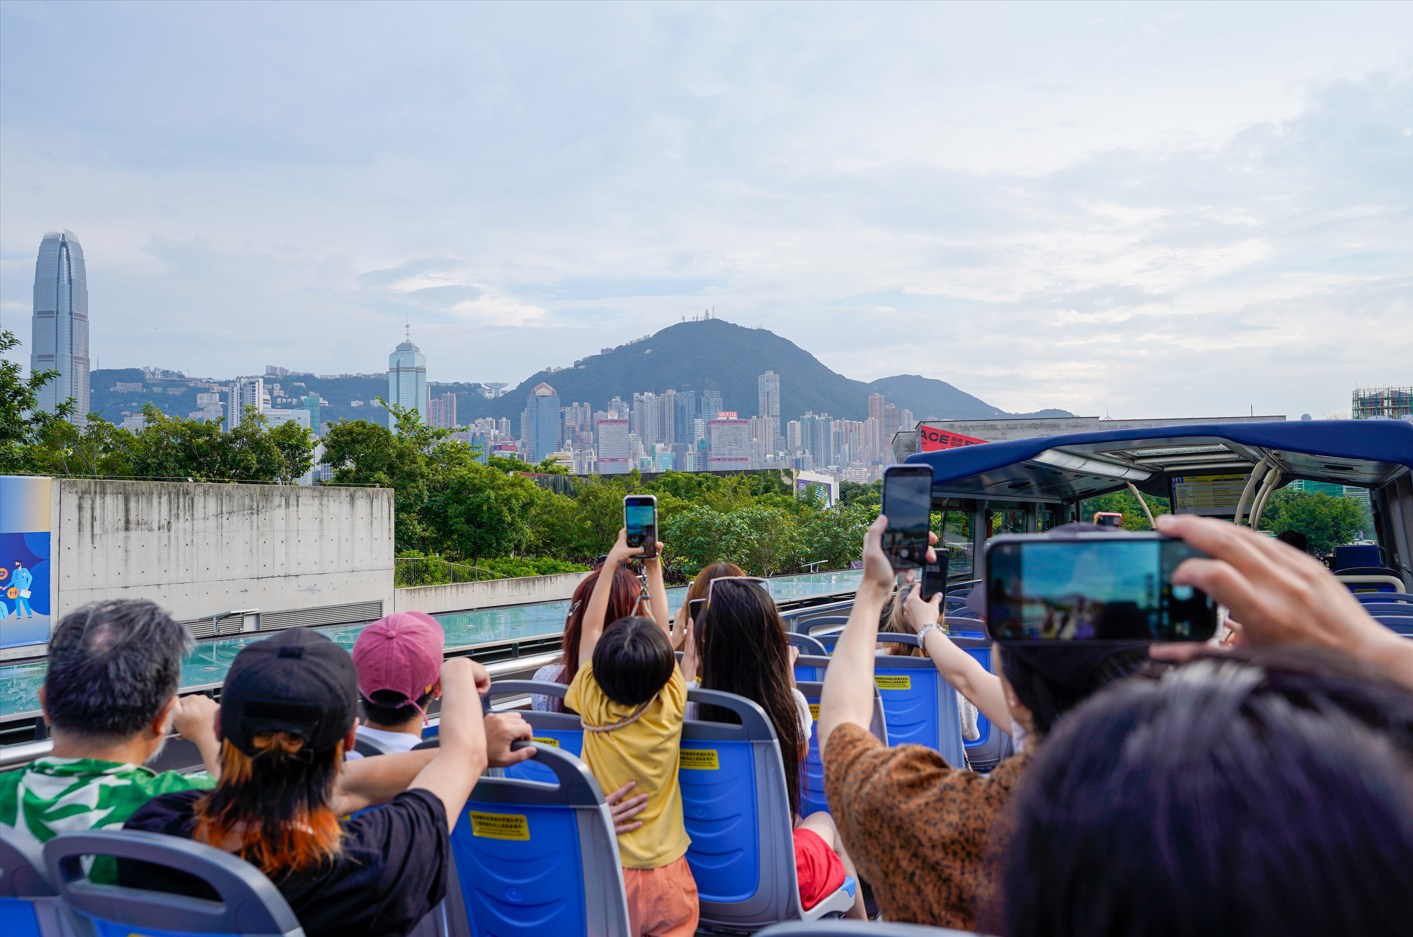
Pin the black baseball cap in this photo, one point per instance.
(297, 681)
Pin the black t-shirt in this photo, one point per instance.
(390, 871)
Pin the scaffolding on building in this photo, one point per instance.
(1388, 403)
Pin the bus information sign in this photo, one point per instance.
(1207, 495)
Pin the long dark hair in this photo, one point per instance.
(278, 801)
(742, 647)
(622, 603)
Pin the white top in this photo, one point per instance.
(394, 742)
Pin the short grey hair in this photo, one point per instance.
(113, 665)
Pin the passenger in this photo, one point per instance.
(907, 816)
(742, 649)
(399, 661)
(622, 603)
(287, 717)
(1227, 797)
(698, 590)
(1281, 597)
(977, 688)
(110, 699)
(631, 698)
(1296, 539)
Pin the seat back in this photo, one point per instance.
(1381, 598)
(539, 859)
(992, 744)
(806, 644)
(28, 907)
(810, 668)
(1356, 554)
(554, 730)
(738, 816)
(919, 706)
(812, 796)
(248, 903)
(1398, 624)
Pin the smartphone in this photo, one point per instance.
(640, 522)
(1109, 519)
(694, 609)
(1087, 586)
(934, 576)
(907, 501)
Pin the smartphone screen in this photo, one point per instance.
(1095, 587)
(640, 522)
(934, 575)
(694, 609)
(907, 501)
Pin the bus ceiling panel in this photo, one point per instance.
(1360, 452)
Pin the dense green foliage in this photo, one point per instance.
(1325, 520)
(22, 426)
(1126, 504)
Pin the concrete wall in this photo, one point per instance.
(199, 549)
(457, 597)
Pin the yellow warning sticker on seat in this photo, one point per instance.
(814, 711)
(543, 740)
(893, 681)
(500, 825)
(700, 759)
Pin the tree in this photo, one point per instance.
(1122, 502)
(480, 512)
(834, 537)
(1325, 520)
(98, 449)
(22, 423)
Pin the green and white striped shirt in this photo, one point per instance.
(67, 795)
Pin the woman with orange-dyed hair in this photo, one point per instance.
(287, 717)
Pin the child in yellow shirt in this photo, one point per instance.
(631, 699)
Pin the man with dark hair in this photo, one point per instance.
(110, 696)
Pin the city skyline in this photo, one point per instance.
(911, 186)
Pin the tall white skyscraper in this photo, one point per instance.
(407, 379)
(60, 336)
(768, 386)
(246, 392)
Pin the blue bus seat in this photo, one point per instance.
(862, 929)
(555, 730)
(1356, 554)
(28, 900)
(536, 860)
(812, 796)
(1368, 598)
(249, 904)
(810, 668)
(992, 745)
(1388, 608)
(807, 645)
(920, 707)
(738, 816)
(1398, 624)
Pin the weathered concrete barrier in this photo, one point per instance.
(463, 596)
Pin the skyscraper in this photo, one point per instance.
(60, 337)
(441, 411)
(730, 444)
(712, 404)
(245, 392)
(768, 388)
(685, 417)
(543, 423)
(613, 446)
(407, 379)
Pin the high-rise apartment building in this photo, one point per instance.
(643, 421)
(730, 444)
(712, 404)
(245, 392)
(614, 449)
(768, 391)
(685, 417)
(441, 411)
(541, 432)
(59, 340)
(407, 379)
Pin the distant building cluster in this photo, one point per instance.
(680, 429)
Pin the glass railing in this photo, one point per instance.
(207, 664)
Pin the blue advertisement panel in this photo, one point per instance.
(26, 601)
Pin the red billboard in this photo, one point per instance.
(931, 439)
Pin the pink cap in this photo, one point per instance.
(402, 653)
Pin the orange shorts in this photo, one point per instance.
(662, 902)
(817, 867)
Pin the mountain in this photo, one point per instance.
(732, 357)
(688, 354)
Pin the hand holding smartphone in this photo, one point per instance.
(640, 523)
(1093, 587)
(907, 503)
(934, 575)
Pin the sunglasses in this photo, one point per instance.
(764, 584)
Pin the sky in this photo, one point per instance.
(1141, 209)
